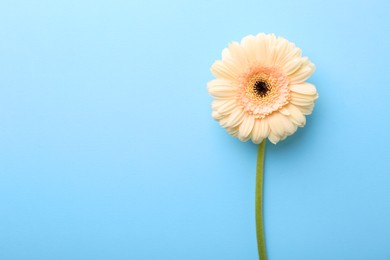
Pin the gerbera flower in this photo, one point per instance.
(260, 89)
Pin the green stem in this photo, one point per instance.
(259, 201)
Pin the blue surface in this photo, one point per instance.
(108, 149)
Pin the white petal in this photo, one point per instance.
(304, 88)
(246, 127)
(296, 115)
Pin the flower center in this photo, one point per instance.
(261, 88)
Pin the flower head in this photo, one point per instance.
(260, 89)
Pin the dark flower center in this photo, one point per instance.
(261, 88)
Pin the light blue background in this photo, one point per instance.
(108, 149)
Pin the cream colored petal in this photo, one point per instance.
(246, 127)
(264, 128)
(221, 71)
(238, 54)
(273, 138)
(284, 111)
(249, 43)
(301, 100)
(226, 54)
(289, 126)
(269, 45)
(281, 125)
(243, 139)
(234, 66)
(260, 130)
(257, 141)
(292, 65)
(216, 115)
(294, 53)
(256, 134)
(222, 82)
(281, 48)
(215, 104)
(304, 96)
(227, 107)
(222, 88)
(283, 138)
(304, 88)
(233, 131)
(306, 110)
(296, 115)
(235, 118)
(284, 51)
(276, 124)
(261, 51)
(221, 85)
(224, 106)
(301, 103)
(302, 74)
(223, 121)
(222, 92)
(260, 35)
(229, 62)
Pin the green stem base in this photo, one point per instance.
(259, 201)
